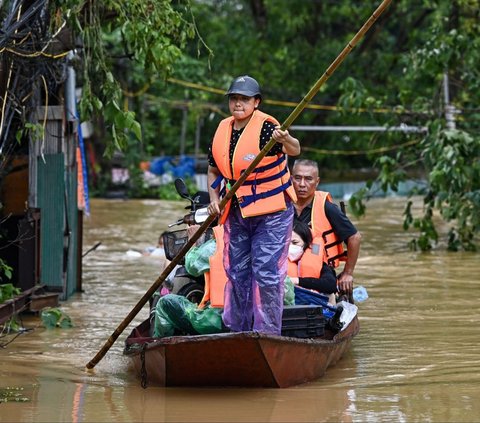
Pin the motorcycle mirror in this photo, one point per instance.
(182, 188)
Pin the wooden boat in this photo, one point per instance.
(244, 359)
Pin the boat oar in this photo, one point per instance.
(203, 227)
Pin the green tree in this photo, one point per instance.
(448, 156)
(394, 77)
(122, 41)
(116, 45)
(131, 51)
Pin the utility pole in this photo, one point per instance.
(449, 109)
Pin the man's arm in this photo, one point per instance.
(345, 230)
(345, 279)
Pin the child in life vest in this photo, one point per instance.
(301, 240)
(258, 219)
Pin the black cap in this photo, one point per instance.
(245, 85)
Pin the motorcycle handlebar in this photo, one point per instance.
(193, 218)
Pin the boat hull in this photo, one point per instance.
(244, 359)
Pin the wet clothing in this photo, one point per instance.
(257, 226)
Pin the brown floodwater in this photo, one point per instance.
(415, 358)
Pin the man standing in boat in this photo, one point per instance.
(330, 226)
(258, 220)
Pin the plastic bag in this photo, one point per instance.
(176, 312)
(208, 320)
(162, 326)
(289, 298)
(197, 259)
(348, 313)
(359, 294)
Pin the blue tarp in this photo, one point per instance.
(306, 297)
(180, 168)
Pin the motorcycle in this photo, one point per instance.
(180, 282)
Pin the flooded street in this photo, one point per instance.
(415, 358)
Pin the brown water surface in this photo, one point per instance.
(415, 358)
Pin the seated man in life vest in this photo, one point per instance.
(330, 228)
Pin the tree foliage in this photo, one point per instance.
(144, 72)
(448, 156)
(41, 38)
(136, 37)
(395, 77)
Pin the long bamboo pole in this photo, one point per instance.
(203, 227)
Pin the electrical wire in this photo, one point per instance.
(361, 152)
(25, 40)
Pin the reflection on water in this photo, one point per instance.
(415, 358)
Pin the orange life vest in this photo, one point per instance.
(325, 247)
(262, 192)
(215, 278)
(292, 269)
(321, 228)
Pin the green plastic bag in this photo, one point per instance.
(197, 258)
(175, 312)
(162, 326)
(289, 298)
(208, 320)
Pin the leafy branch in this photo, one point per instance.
(149, 34)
